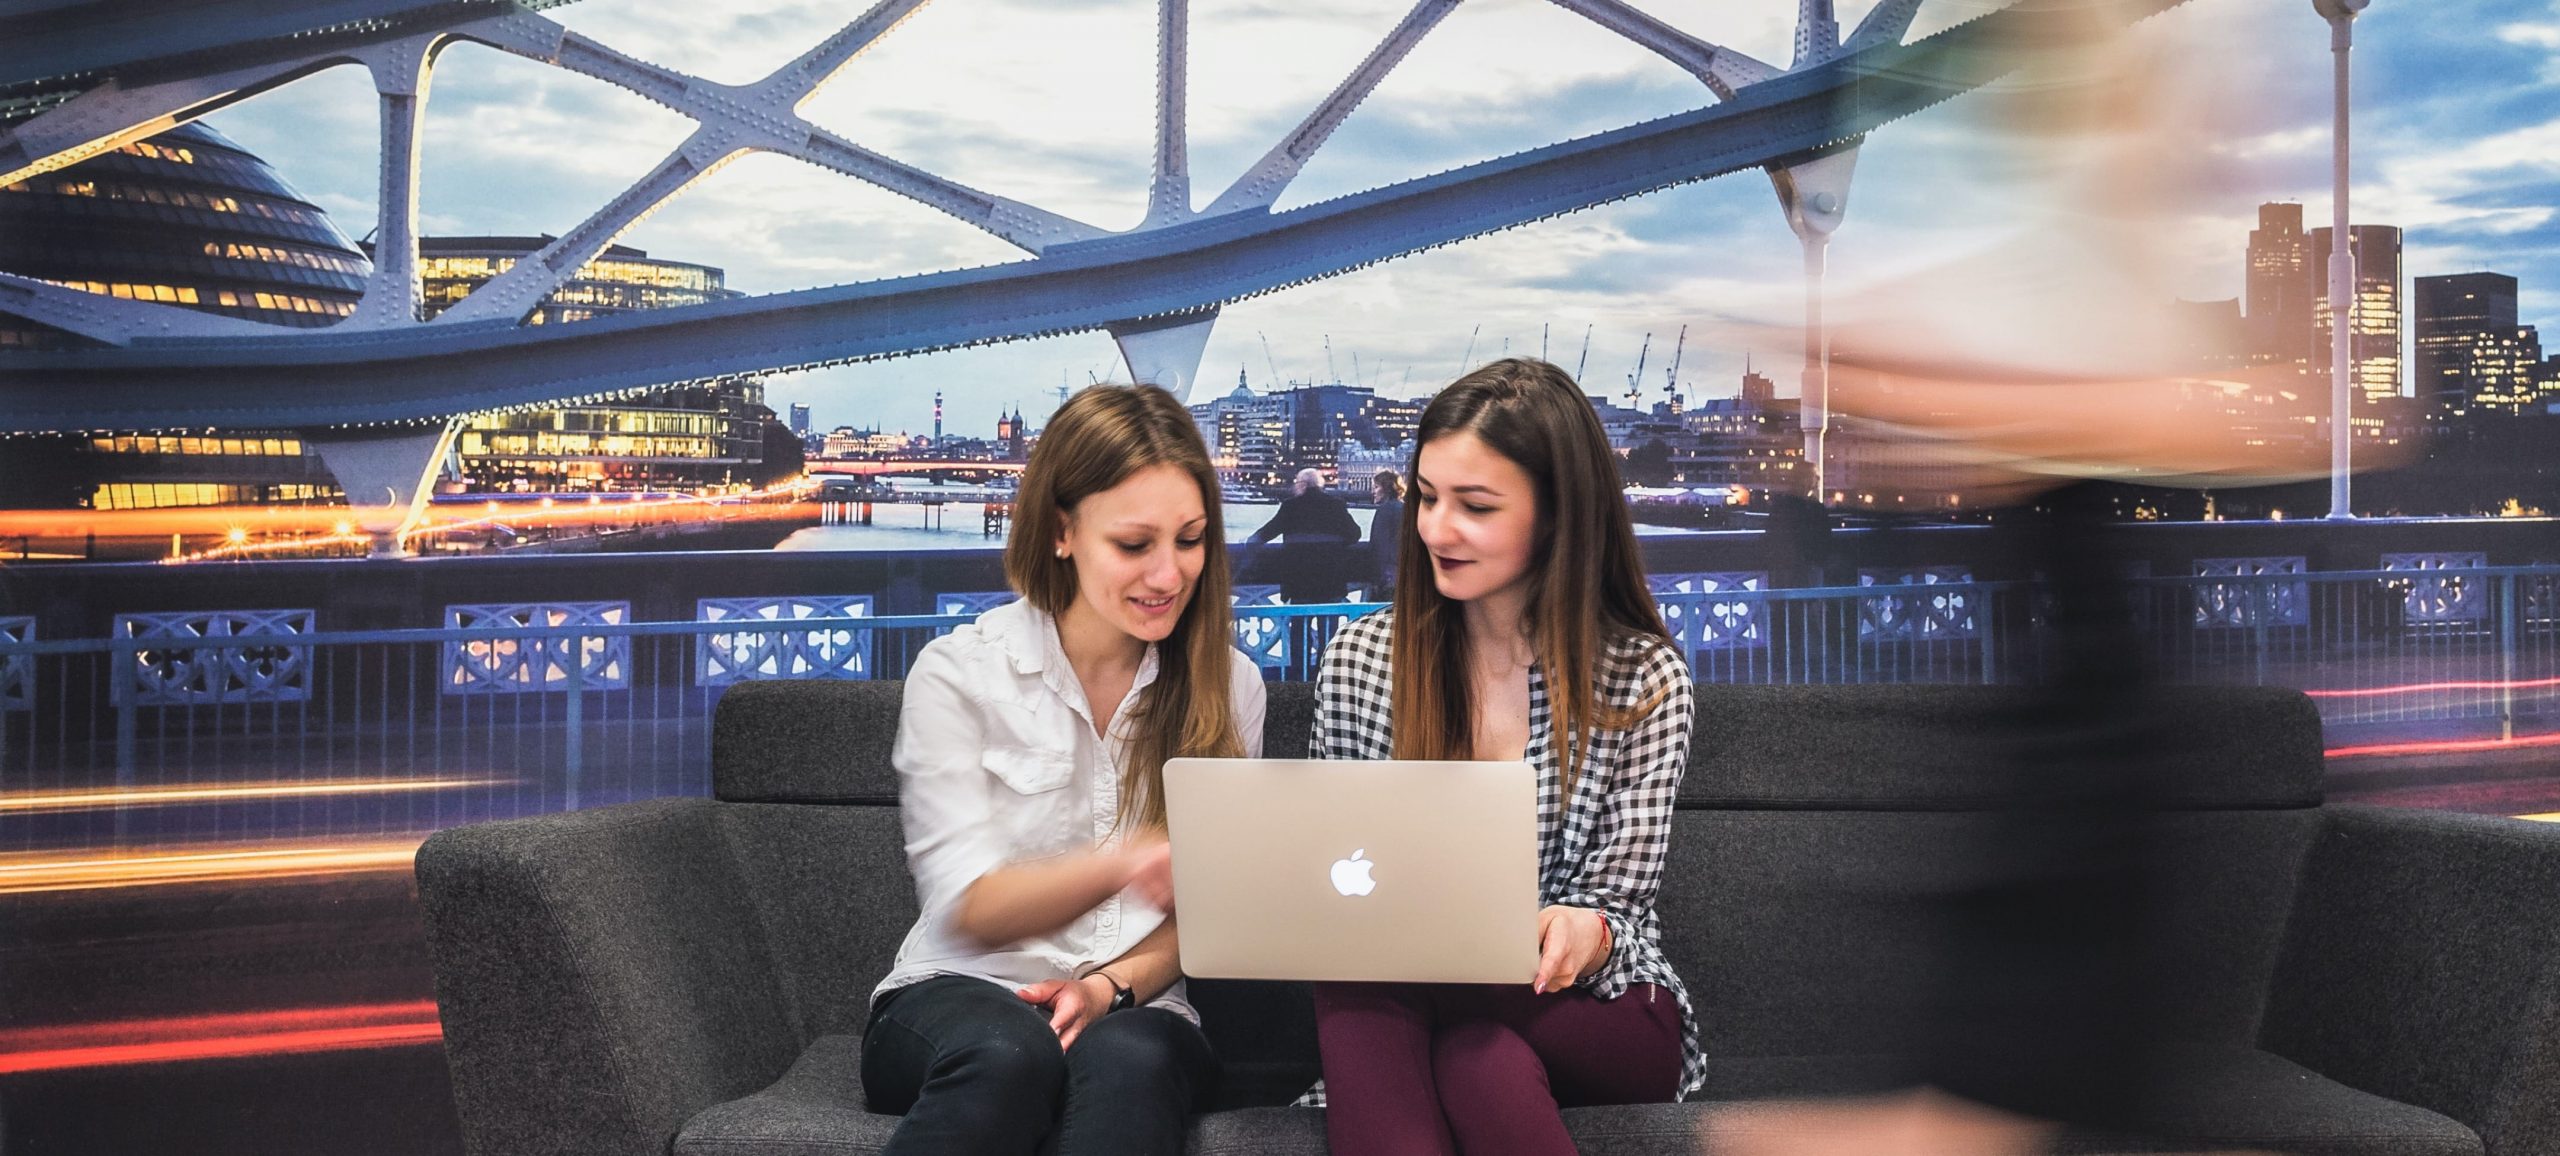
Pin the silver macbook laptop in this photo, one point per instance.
(1420, 872)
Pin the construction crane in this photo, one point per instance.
(1671, 376)
(1273, 366)
(1467, 358)
(1585, 362)
(1635, 381)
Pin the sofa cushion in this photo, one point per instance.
(2243, 1098)
(2220, 1098)
(815, 1109)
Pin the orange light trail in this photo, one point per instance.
(26, 874)
(2447, 746)
(228, 1036)
(568, 513)
(2418, 687)
(43, 802)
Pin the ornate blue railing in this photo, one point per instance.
(546, 706)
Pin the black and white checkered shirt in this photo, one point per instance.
(1604, 849)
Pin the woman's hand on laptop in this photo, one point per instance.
(1572, 942)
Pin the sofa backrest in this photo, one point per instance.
(1819, 830)
(1858, 748)
(1830, 836)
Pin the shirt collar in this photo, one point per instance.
(1028, 636)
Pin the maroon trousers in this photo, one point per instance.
(1479, 1069)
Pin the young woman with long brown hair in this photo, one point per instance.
(1521, 629)
(1039, 998)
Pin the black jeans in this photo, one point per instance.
(976, 1070)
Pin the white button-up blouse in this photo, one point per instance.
(998, 763)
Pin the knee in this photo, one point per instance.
(1478, 1056)
(1138, 1046)
(1020, 1057)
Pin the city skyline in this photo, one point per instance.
(978, 90)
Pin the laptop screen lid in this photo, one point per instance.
(1337, 869)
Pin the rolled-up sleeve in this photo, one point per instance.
(943, 787)
(1621, 870)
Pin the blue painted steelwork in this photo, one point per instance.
(759, 649)
(2252, 604)
(425, 373)
(17, 671)
(211, 657)
(503, 655)
(2437, 596)
(65, 47)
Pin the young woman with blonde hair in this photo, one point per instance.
(1037, 1005)
(1521, 629)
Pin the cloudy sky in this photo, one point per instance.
(1050, 102)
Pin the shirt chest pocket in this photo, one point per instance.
(1033, 800)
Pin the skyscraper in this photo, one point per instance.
(800, 419)
(2375, 330)
(2280, 287)
(2470, 354)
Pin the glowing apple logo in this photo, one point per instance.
(1351, 876)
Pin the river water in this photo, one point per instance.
(904, 527)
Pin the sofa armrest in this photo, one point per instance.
(2422, 963)
(600, 975)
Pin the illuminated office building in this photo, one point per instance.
(2280, 289)
(619, 280)
(191, 220)
(673, 438)
(2374, 336)
(2471, 356)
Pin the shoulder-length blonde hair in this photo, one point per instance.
(1586, 591)
(1093, 443)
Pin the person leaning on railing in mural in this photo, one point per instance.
(1316, 532)
(1521, 629)
(1037, 1005)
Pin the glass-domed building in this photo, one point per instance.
(185, 218)
(188, 218)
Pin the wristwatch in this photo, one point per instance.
(1122, 998)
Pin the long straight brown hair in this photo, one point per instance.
(1586, 585)
(1096, 441)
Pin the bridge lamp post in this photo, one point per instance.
(2341, 15)
(1815, 194)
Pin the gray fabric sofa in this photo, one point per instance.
(691, 975)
